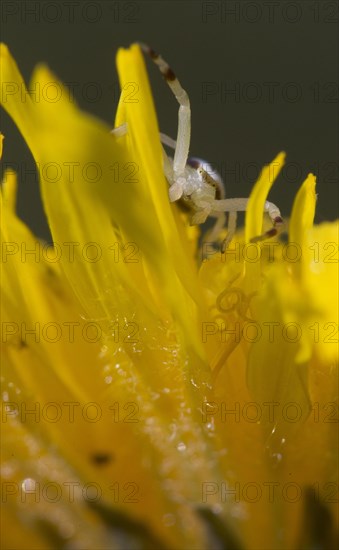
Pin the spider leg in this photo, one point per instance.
(213, 234)
(119, 130)
(184, 116)
(231, 227)
(219, 225)
(176, 188)
(277, 221)
(229, 205)
(201, 215)
(167, 140)
(168, 168)
(240, 205)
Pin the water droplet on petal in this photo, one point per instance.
(169, 519)
(216, 508)
(28, 484)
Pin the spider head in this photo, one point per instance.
(194, 185)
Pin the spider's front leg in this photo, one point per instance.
(201, 214)
(213, 234)
(219, 225)
(232, 206)
(277, 221)
(231, 227)
(177, 188)
(184, 114)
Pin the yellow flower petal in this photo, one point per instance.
(9, 189)
(14, 97)
(302, 217)
(180, 285)
(1, 144)
(303, 210)
(254, 213)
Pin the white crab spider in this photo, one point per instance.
(192, 180)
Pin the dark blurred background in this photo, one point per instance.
(262, 77)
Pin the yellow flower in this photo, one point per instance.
(151, 400)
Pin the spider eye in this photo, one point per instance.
(194, 163)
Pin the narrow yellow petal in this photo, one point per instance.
(137, 109)
(170, 253)
(320, 278)
(9, 189)
(1, 144)
(303, 210)
(301, 222)
(255, 208)
(14, 97)
(254, 217)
